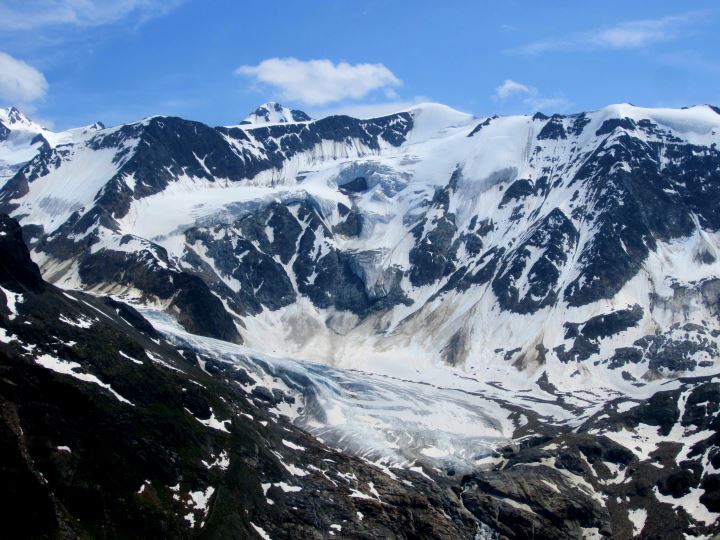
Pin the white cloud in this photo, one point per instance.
(511, 87)
(30, 14)
(529, 97)
(317, 82)
(20, 82)
(623, 35)
(638, 33)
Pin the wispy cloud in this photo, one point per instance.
(318, 82)
(529, 97)
(20, 83)
(624, 35)
(509, 87)
(34, 14)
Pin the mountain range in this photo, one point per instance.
(511, 323)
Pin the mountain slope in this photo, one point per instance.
(532, 243)
(21, 139)
(89, 388)
(207, 449)
(520, 306)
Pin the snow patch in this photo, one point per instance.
(69, 368)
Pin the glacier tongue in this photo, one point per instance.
(436, 417)
(384, 419)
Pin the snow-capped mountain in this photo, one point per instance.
(21, 139)
(563, 268)
(580, 247)
(275, 113)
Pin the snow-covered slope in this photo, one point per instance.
(581, 249)
(21, 139)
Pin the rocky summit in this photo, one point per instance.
(421, 325)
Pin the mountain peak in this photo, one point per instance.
(275, 113)
(12, 116)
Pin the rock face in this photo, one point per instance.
(18, 269)
(635, 469)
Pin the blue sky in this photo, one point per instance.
(71, 62)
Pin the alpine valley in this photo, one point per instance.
(423, 325)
